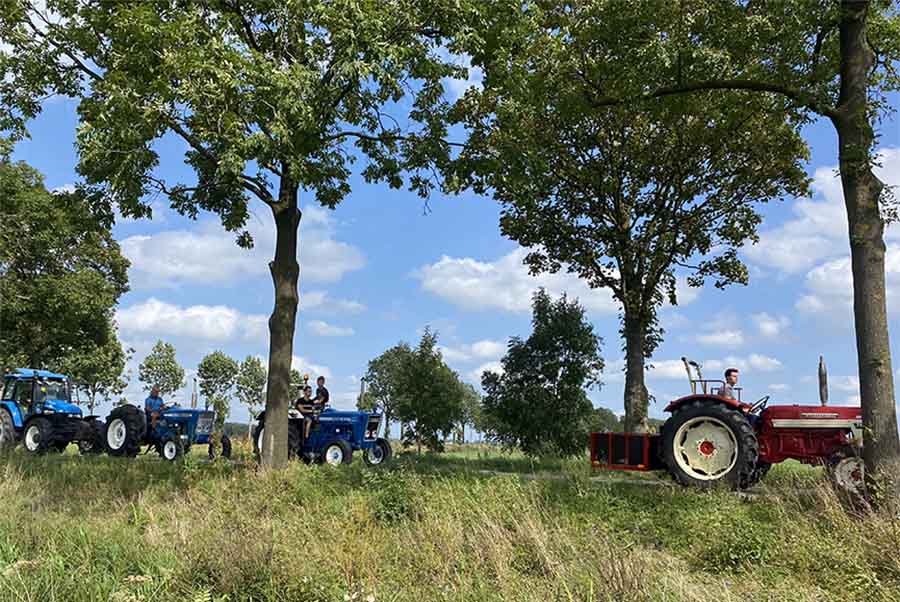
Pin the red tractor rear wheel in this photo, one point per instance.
(705, 443)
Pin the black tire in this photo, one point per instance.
(96, 445)
(7, 431)
(59, 446)
(226, 448)
(170, 448)
(379, 454)
(295, 439)
(125, 428)
(760, 471)
(740, 465)
(37, 438)
(337, 452)
(295, 436)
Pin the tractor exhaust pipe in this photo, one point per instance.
(823, 382)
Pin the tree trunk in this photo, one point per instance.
(636, 397)
(285, 274)
(862, 191)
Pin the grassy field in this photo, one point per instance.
(471, 524)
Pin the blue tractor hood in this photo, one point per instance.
(58, 406)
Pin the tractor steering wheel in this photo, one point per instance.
(759, 404)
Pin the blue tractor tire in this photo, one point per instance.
(38, 436)
(336, 453)
(7, 431)
(170, 448)
(380, 453)
(96, 444)
(125, 428)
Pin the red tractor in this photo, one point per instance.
(711, 439)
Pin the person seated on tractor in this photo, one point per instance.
(322, 395)
(153, 405)
(731, 381)
(307, 406)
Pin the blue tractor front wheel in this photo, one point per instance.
(38, 436)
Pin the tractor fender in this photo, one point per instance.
(733, 403)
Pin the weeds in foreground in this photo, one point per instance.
(87, 529)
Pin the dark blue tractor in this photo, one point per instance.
(36, 408)
(333, 437)
(172, 434)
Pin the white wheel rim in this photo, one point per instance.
(170, 450)
(705, 448)
(334, 455)
(375, 454)
(32, 438)
(850, 474)
(116, 433)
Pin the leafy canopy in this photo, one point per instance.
(256, 90)
(61, 271)
(250, 386)
(538, 403)
(430, 395)
(161, 369)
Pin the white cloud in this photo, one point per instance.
(505, 284)
(475, 375)
(779, 387)
(830, 287)
(209, 255)
(324, 329)
(674, 369)
(847, 384)
(322, 302)
(213, 323)
(304, 366)
(457, 87)
(770, 326)
(722, 338)
(480, 350)
(819, 230)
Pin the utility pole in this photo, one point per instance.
(194, 395)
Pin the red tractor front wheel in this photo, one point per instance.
(705, 443)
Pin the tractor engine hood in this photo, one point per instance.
(58, 406)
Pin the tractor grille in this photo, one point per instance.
(372, 427)
(204, 424)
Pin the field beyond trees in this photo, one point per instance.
(472, 524)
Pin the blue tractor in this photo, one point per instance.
(333, 437)
(171, 434)
(36, 408)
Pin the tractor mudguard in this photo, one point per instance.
(733, 403)
(14, 411)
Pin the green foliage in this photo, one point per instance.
(430, 395)
(61, 273)
(296, 384)
(382, 379)
(250, 386)
(99, 369)
(538, 403)
(602, 420)
(160, 368)
(217, 373)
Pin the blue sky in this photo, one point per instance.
(378, 269)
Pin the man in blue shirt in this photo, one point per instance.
(153, 405)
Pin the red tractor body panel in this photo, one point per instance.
(734, 403)
(810, 434)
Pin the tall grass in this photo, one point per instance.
(428, 528)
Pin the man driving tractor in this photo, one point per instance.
(311, 407)
(153, 405)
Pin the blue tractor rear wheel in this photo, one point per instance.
(125, 429)
(7, 431)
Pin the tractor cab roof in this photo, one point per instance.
(18, 373)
